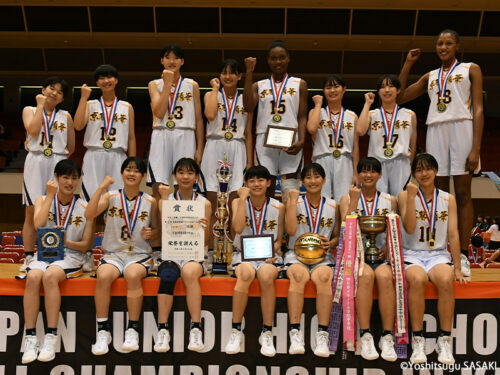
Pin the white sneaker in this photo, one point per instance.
(322, 342)
(266, 344)
(131, 343)
(196, 340)
(465, 265)
(386, 346)
(102, 341)
(162, 344)
(444, 350)
(26, 262)
(296, 342)
(48, 352)
(30, 349)
(233, 346)
(88, 265)
(418, 350)
(368, 350)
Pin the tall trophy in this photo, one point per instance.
(223, 247)
(371, 226)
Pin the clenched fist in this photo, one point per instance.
(167, 76)
(51, 188)
(318, 100)
(369, 98)
(85, 91)
(250, 63)
(293, 195)
(215, 84)
(164, 190)
(40, 99)
(107, 182)
(413, 55)
(243, 192)
(411, 190)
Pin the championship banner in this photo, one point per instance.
(336, 313)
(349, 289)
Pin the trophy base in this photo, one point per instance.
(219, 268)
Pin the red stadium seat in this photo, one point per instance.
(6, 260)
(13, 256)
(493, 265)
(8, 240)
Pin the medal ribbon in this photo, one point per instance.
(337, 128)
(364, 204)
(179, 198)
(429, 214)
(172, 99)
(109, 118)
(278, 92)
(130, 217)
(442, 81)
(313, 220)
(47, 124)
(389, 126)
(257, 227)
(229, 109)
(64, 222)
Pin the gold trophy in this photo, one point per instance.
(371, 226)
(309, 249)
(223, 247)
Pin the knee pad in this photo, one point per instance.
(169, 272)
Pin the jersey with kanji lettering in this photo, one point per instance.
(324, 139)
(218, 128)
(58, 132)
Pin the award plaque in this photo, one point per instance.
(260, 247)
(279, 137)
(50, 243)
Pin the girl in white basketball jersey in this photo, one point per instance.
(335, 141)
(393, 135)
(178, 130)
(131, 225)
(282, 102)
(429, 218)
(455, 123)
(50, 138)
(59, 208)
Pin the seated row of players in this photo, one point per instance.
(428, 217)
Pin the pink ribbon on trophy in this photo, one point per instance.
(349, 289)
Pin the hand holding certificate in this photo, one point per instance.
(279, 137)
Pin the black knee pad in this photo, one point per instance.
(169, 272)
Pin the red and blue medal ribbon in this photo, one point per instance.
(178, 197)
(230, 109)
(108, 117)
(172, 99)
(364, 204)
(48, 122)
(442, 80)
(314, 221)
(257, 226)
(278, 91)
(336, 128)
(60, 221)
(130, 217)
(430, 213)
(389, 125)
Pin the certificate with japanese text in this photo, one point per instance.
(183, 237)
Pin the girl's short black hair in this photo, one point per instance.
(172, 48)
(257, 171)
(369, 164)
(138, 162)
(333, 80)
(388, 79)
(232, 65)
(278, 43)
(105, 70)
(424, 161)
(67, 167)
(54, 80)
(312, 168)
(452, 32)
(476, 241)
(187, 164)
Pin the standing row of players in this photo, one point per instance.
(429, 218)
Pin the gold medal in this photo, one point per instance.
(107, 145)
(431, 244)
(388, 152)
(336, 153)
(47, 152)
(277, 118)
(170, 124)
(228, 136)
(441, 106)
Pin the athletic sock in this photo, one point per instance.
(196, 325)
(444, 333)
(363, 331)
(322, 328)
(134, 324)
(162, 326)
(31, 332)
(295, 326)
(52, 331)
(418, 333)
(102, 324)
(267, 328)
(237, 326)
(386, 332)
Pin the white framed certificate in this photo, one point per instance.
(279, 136)
(182, 237)
(259, 247)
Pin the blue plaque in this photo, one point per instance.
(50, 243)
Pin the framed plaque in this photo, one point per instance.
(259, 247)
(50, 243)
(279, 137)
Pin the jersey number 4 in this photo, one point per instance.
(233, 126)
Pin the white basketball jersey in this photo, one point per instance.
(288, 108)
(458, 98)
(418, 240)
(400, 139)
(326, 224)
(184, 115)
(116, 236)
(197, 197)
(218, 127)
(270, 225)
(59, 133)
(95, 133)
(76, 224)
(324, 139)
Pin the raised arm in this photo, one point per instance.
(250, 97)
(315, 115)
(249, 139)
(478, 116)
(33, 122)
(71, 136)
(355, 153)
(200, 127)
(281, 229)
(82, 112)
(159, 101)
(211, 103)
(98, 203)
(132, 150)
(418, 88)
(364, 118)
(413, 137)
(42, 206)
(238, 207)
(291, 212)
(406, 203)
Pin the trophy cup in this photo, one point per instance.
(222, 243)
(371, 226)
(309, 249)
